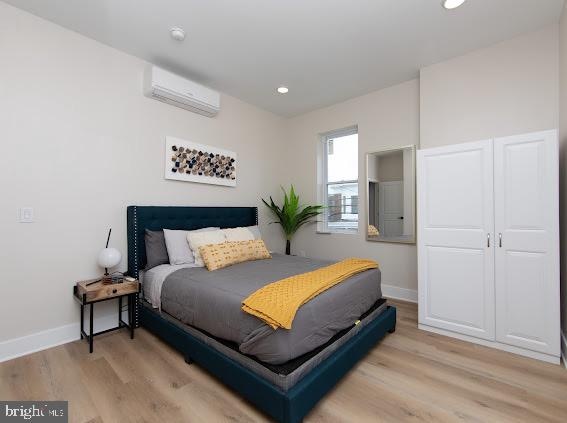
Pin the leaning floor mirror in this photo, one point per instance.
(390, 195)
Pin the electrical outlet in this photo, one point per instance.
(26, 215)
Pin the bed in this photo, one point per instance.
(237, 348)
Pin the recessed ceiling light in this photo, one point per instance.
(452, 4)
(177, 33)
(283, 90)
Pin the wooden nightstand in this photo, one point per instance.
(96, 292)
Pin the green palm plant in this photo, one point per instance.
(292, 215)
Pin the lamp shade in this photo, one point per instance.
(109, 257)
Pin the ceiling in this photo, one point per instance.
(325, 51)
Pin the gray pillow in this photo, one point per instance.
(177, 246)
(156, 251)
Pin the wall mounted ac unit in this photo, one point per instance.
(177, 91)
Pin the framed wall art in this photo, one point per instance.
(191, 162)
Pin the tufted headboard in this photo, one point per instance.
(155, 218)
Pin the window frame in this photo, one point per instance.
(324, 183)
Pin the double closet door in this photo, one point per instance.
(488, 244)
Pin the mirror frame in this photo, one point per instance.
(413, 197)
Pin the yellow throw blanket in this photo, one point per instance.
(277, 303)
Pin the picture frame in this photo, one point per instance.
(193, 162)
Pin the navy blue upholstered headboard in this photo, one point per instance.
(155, 218)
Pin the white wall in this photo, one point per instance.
(385, 118)
(505, 89)
(80, 143)
(563, 171)
(391, 167)
(373, 170)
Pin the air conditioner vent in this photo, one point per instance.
(180, 92)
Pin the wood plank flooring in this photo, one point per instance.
(411, 375)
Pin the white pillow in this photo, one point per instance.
(238, 234)
(198, 239)
(177, 246)
(255, 231)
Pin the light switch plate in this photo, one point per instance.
(26, 215)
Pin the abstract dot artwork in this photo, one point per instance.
(198, 162)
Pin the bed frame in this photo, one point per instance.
(286, 407)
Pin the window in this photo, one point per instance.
(339, 180)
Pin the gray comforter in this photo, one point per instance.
(211, 301)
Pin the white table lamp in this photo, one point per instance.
(108, 258)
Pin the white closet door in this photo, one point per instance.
(527, 261)
(455, 221)
(391, 208)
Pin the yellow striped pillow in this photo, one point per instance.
(217, 256)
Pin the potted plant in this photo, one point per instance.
(291, 215)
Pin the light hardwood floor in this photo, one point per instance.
(410, 376)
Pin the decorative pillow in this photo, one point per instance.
(156, 251)
(177, 247)
(238, 234)
(198, 239)
(373, 230)
(217, 256)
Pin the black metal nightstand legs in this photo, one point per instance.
(119, 310)
(82, 320)
(131, 314)
(121, 323)
(91, 329)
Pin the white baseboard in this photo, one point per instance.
(564, 349)
(493, 344)
(396, 293)
(49, 338)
